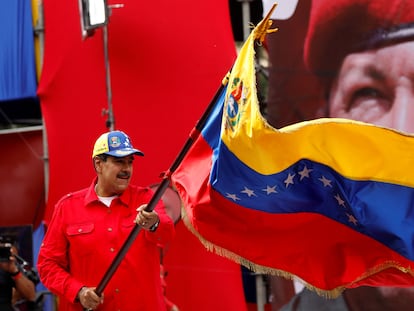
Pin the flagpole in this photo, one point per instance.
(161, 189)
(261, 30)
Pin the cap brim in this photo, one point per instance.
(124, 152)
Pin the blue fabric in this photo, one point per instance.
(17, 56)
(48, 298)
(378, 209)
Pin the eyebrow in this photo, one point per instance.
(373, 72)
(362, 64)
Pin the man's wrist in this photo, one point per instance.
(16, 275)
(13, 274)
(79, 293)
(155, 226)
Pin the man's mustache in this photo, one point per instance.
(124, 175)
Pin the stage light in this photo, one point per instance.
(93, 14)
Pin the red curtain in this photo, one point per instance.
(22, 183)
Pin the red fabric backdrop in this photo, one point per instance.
(167, 59)
(22, 183)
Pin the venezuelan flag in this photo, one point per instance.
(329, 201)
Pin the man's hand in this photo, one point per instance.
(146, 219)
(88, 298)
(11, 265)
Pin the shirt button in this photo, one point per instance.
(108, 211)
(110, 229)
(116, 290)
(112, 249)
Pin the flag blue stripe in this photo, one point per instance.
(212, 128)
(376, 209)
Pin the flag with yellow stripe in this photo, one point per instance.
(329, 201)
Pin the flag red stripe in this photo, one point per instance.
(315, 248)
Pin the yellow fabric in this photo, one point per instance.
(37, 43)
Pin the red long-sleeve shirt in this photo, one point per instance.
(82, 240)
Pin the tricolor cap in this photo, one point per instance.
(341, 27)
(116, 144)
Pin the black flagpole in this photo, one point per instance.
(160, 190)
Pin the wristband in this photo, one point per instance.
(16, 275)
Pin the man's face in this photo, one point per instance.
(114, 175)
(377, 87)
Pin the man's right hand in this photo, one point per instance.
(88, 298)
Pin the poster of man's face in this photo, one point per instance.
(347, 59)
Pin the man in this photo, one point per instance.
(362, 52)
(89, 227)
(14, 284)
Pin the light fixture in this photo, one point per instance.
(93, 14)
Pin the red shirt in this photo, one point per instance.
(82, 240)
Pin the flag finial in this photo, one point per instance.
(263, 28)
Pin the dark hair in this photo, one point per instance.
(103, 157)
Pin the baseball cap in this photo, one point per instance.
(116, 144)
(341, 27)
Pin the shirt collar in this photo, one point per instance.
(91, 195)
